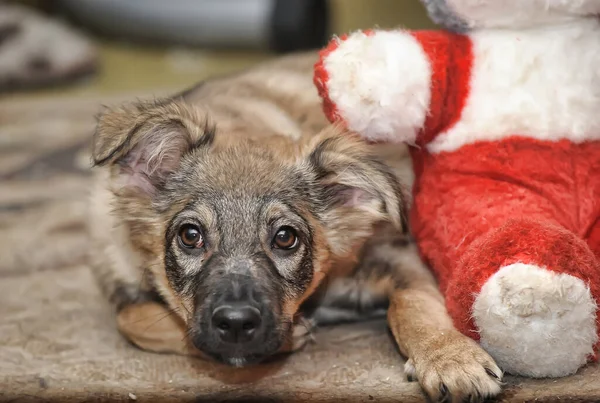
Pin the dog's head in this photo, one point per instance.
(237, 234)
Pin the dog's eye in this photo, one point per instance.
(285, 238)
(190, 236)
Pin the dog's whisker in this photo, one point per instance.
(187, 310)
(166, 315)
(187, 335)
(169, 312)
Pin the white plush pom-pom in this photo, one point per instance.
(535, 322)
(380, 84)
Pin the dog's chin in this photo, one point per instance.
(258, 351)
(239, 356)
(240, 359)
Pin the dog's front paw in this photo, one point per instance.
(455, 368)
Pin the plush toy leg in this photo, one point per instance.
(529, 290)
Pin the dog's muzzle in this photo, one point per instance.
(238, 324)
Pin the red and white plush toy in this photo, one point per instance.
(502, 111)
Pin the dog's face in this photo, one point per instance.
(238, 234)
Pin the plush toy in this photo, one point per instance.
(502, 113)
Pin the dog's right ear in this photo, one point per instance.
(146, 141)
(356, 189)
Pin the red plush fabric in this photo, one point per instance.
(451, 57)
(491, 204)
(519, 240)
(321, 77)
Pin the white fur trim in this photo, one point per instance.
(539, 83)
(381, 84)
(521, 13)
(535, 322)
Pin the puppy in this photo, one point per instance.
(238, 214)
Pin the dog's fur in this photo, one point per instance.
(240, 157)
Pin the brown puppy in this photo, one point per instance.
(235, 208)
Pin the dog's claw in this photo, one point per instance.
(492, 374)
(443, 393)
(410, 371)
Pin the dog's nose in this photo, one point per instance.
(236, 323)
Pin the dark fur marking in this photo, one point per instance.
(354, 301)
(199, 281)
(118, 148)
(173, 270)
(129, 294)
(306, 270)
(400, 242)
(316, 159)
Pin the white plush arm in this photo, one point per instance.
(378, 83)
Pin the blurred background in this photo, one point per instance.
(64, 48)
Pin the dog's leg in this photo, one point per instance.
(114, 265)
(141, 316)
(300, 336)
(448, 365)
(153, 327)
(330, 316)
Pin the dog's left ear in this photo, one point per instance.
(356, 189)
